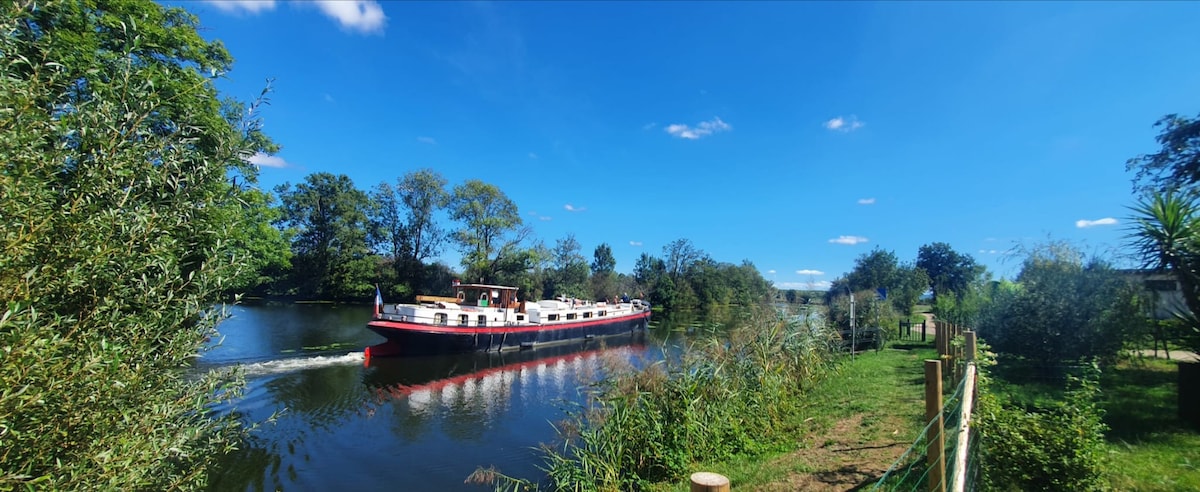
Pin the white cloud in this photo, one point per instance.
(365, 16)
(427, 140)
(989, 252)
(809, 272)
(1083, 223)
(703, 129)
(635, 243)
(821, 285)
(263, 160)
(844, 124)
(246, 6)
(571, 208)
(866, 201)
(851, 240)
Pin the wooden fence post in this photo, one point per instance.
(709, 482)
(972, 350)
(923, 329)
(935, 440)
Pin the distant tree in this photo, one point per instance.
(790, 295)
(911, 283)
(679, 256)
(491, 232)
(1176, 167)
(329, 217)
(267, 249)
(406, 223)
(948, 270)
(602, 259)
(604, 279)
(874, 270)
(569, 270)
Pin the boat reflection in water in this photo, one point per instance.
(484, 382)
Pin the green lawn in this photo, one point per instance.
(1150, 448)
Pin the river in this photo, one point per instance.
(415, 423)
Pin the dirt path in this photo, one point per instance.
(839, 459)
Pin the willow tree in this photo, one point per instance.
(122, 222)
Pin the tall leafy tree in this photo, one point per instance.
(604, 278)
(491, 231)
(874, 270)
(122, 224)
(603, 261)
(569, 270)
(911, 283)
(948, 270)
(405, 225)
(329, 218)
(679, 255)
(1176, 166)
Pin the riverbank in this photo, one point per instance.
(856, 422)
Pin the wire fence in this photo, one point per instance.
(943, 455)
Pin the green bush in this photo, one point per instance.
(120, 227)
(1055, 447)
(721, 399)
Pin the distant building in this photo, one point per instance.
(1165, 290)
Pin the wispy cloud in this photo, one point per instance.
(649, 126)
(328, 98)
(364, 16)
(571, 208)
(243, 6)
(989, 251)
(545, 218)
(533, 155)
(635, 243)
(771, 272)
(851, 240)
(866, 201)
(427, 140)
(703, 129)
(263, 160)
(1084, 223)
(844, 124)
(809, 272)
(819, 285)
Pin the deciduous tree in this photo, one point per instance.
(491, 231)
(329, 218)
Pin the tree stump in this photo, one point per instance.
(1189, 392)
(709, 482)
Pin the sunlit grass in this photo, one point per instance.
(1153, 448)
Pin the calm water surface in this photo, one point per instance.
(420, 423)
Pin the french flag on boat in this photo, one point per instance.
(378, 300)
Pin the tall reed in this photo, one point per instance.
(730, 394)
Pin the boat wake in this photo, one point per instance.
(281, 366)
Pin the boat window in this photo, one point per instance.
(552, 317)
(520, 317)
(482, 320)
(440, 319)
(587, 314)
(570, 316)
(462, 320)
(601, 313)
(462, 296)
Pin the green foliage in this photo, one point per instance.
(1066, 308)
(948, 270)
(568, 274)
(1059, 446)
(720, 399)
(403, 223)
(328, 217)
(491, 231)
(1166, 237)
(874, 270)
(121, 226)
(1176, 167)
(911, 283)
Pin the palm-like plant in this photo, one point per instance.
(1166, 237)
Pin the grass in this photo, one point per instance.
(856, 422)
(1153, 448)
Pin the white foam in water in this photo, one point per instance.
(299, 363)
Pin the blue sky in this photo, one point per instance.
(797, 135)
